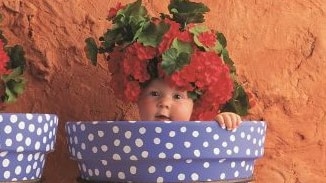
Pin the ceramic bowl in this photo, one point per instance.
(25, 140)
(151, 151)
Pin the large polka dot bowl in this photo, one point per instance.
(24, 141)
(122, 151)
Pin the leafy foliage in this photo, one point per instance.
(91, 50)
(15, 85)
(12, 81)
(131, 23)
(152, 34)
(176, 57)
(239, 102)
(186, 12)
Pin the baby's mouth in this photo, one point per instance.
(162, 118)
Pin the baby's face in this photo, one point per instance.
(159, 102)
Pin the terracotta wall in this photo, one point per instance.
(278, 47)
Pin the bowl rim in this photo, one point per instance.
(22, 113)
(94, 122)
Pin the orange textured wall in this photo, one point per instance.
(278, 47)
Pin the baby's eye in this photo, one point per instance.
(178, 96)
(154, 93)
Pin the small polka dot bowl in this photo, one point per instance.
(145, 151)
(25, 139)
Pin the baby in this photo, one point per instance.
(175, 68)
(161, 102)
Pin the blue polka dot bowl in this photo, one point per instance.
(144, 151)
(25, 139)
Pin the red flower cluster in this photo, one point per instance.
(206, 72)
(176, 47)
(208, 39)
(4, 59)
(173, 33)
(129, 68)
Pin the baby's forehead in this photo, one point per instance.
(160, 84)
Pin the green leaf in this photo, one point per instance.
(127, 26)
(176, 57)
(17, 57)
(221, 39)
(198, 29)
(15, 74)
(19, 87)
(152, 33)
(132, 15)
(185, 11)
(172, 61)
(132, 9)
(152, 68)
(14, 84)
(239, 103)
(217, 48)
(182, 46)
(183, 59)
(227, 60)
(169, 60)
(113, 37)
(9, 96)
(193, 95)
(14, 88)
(136, 23)
(91, 50)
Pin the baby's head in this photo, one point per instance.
(159, 101)
(195, 75)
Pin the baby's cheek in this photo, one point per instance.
(146, 107)
(146, 103)
(182, 113)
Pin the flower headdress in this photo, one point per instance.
(176, 48)
(12, 63)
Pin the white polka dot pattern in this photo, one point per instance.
(169, 152)
(24, 141)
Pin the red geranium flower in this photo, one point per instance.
(169, 36)
(182, 52)
(208, 39)
(4, 59)
(141, 51)
(132, 91)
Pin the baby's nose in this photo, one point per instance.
(164, 102)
